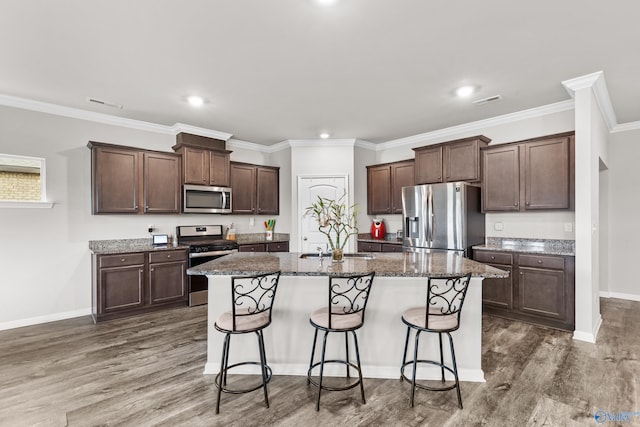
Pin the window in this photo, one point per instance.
(22, 181)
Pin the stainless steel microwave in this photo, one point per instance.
(205, 199)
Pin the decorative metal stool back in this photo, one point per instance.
(251, 305)
(348, 296)
(441, 315)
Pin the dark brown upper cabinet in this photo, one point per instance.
(204, 160)
(130, 180)
(529, 175)
(451, 161)
(384, 186)
(256, 189)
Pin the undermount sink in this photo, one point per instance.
(327, 255)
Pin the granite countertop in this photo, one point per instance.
(388, 238)
(123, 246)
(534, 246)
(407, 264)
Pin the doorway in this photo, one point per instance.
(309, 189)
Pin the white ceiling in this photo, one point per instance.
(273, 70)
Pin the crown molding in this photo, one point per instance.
(181, 127)
(625, 127)
(597, 83)
(360, 143)
(108, 119)
(474, 127)
(347, 142)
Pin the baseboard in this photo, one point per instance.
(44, 319)
(619, 295)
(586, 336)
(383, 372)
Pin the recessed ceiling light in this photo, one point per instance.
(465, 91)
(324, 135)
(195, 100)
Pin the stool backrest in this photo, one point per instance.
(251, 295)
(349, 294)
(445, 296)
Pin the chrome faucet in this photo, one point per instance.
(319, 249)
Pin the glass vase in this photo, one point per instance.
(337, 255)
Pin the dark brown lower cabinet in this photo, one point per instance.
(118, 283)
(540, 289)
(378, 247)
(265, 247)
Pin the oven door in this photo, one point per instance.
(199, 285)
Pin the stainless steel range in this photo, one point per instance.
(205, 244)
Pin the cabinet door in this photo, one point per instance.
(115, 180)
(243, 183)
(196, 166)
(541, 293)
(267, 191)
(218, 169)
(501, 179)
(167, 282)
(546, 174)
(402, 175)
(462, 162)
(498, 293)
(161, 183)
(428, 166)
(121, 288)
(378, 189)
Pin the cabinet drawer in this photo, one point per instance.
(252, 248)
(388, 247)
(369, 247)
(542, 261)
(494, 257)
(121, 260)
(166, 256)
(278, 247)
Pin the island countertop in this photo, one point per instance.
(406, 264)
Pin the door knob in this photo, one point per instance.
(304, 238)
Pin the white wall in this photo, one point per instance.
(624, 211)
(45, 272)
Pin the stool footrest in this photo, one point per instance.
(404, 377)
(218, 379)
(325, 387)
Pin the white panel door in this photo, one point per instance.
(309, 188)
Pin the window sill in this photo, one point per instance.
(25, 204)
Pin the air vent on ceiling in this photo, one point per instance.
(487, 100)
(106, 103)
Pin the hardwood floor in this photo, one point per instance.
(147, 370)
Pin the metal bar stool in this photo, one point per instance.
(251, 302)
(347, 301)
(441, 315)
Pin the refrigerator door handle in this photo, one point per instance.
(430, 221)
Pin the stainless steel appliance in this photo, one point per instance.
(442, 217)
(205, 244)
(206, 199)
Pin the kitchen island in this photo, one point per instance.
(400, 283)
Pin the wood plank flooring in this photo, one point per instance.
(147, 370)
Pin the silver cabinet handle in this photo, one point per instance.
(539, 261)
(123, 260)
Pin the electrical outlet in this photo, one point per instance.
(252, 222)
(568, 227)
(498, 226)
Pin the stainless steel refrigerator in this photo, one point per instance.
(442, 217)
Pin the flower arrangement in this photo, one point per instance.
(335, 220)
